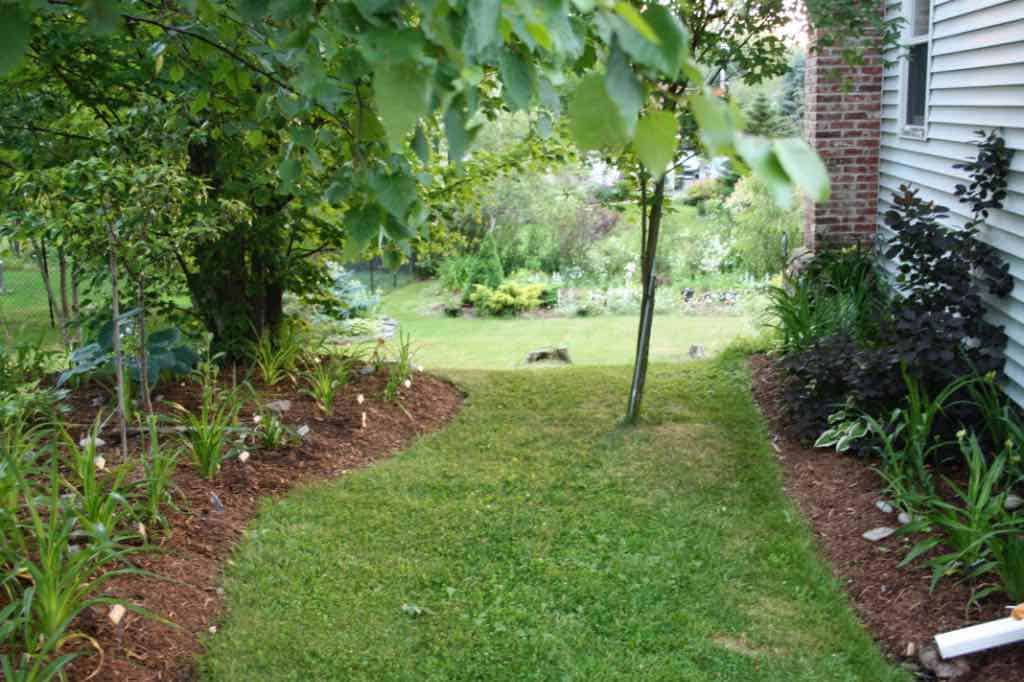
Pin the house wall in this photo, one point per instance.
(976, 81)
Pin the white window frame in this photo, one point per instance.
(915, 132)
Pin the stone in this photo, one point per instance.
(89, 440)
(877, 534)
(944, 670)
(904, 518)
(696, 351)
(561, 354)
(303, 431)
(1013, 502)
(884, 507)
(279, 406)
(218, 506)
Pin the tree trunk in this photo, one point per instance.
(75, 309)
(115, 304)
(65, 310)
(650, 228)
(44, 270)
(143, 355)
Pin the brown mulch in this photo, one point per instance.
(189, 556)
(837, 494)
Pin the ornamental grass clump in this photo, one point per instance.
(209, 433)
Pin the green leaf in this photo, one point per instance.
(397, 230)
(420, 145)
(716, 124)
(103, 15)
(253, 10)
(483, 21)
(668, 53)
(363, 224)
(394, 192)
(403, 96)
(624, 88)
(288, 171)
(595, 121)
(15, 33)
(634, 19)
(758, 153)
(655, 142)
(517, 76)
(541, 34)
(804, 167)
(459, 138)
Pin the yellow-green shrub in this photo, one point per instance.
(510, 298)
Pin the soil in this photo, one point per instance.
(189, 556)
(837, 494)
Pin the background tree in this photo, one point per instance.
(763, 118)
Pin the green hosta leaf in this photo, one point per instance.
(634, 19)
(804, 167)
(624, 89)
(655, 142)
(517, 76)
(759, 155)
(403, 96)
(15, 32)
(595, 121)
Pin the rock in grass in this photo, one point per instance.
(944, 670)
(1013, 502)
(560, 354)
(884, 507)
(94, 442)
(904, 518)
(877, 534)
(279, 406)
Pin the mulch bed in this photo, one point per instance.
(837, 494)
(190, 555)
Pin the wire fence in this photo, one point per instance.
(24, 306)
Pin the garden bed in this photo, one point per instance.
(837, 494)
(189, 556)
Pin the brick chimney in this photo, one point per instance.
(842, 121)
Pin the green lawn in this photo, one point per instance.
(23, 309)
(536, 539)
(494, 343)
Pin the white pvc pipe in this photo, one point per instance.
(980, 637)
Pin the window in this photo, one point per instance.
(916, 67)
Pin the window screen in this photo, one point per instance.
(917, 84)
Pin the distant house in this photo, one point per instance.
(960, 68)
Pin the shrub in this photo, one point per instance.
(510, 298)
(934, 330)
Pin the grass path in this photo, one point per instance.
(534, 539)
(494, 343)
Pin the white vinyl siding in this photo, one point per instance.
(976, 82)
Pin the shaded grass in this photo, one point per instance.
(536, 539)
(499, 343)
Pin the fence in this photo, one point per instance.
(24, 306)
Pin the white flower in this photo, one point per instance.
(360, 399)
(100, 462)
(407, 383)
(243, 456)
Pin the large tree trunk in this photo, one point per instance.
(650, 227)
